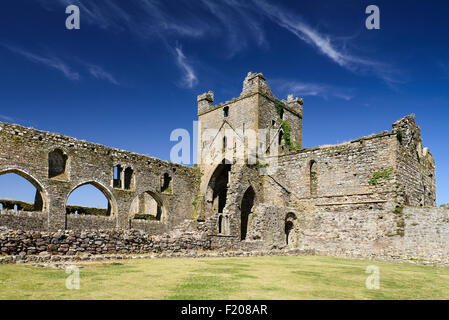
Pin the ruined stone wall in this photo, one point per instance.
(270, 119)
(242, 117)
(26, 152)
(426, 234)
(386, 233)
(415, 166)
(341, 174)
(71, 242)
(23, 220)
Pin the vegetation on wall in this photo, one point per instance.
(399, 135)
(88, 211)
(21, 205)
(381, 174)
(286, 128)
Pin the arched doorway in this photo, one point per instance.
(19, 191)
(217, 188)
(289, 227)
(246, 207)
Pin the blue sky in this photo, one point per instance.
(131, 74)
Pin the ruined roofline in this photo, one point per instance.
(250, 89)
(36, 134)
(233, 100)
(382, 134)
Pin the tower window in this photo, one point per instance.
(281, 114)
(226, 112)
(225, 142)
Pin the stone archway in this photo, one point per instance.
(148, 206)
(245, 211)
(41, 196)
(290, 229)
(217, 188)
(112, 208)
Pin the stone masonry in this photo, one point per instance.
(373, 197)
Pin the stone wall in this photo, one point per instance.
(21, 220)
(426, 234)
(385, 233)
(56, 165)
(71, 242)
(342, 174)
(415, 166)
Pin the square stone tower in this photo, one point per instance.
(255, 120)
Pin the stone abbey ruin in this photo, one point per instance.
(373, 197)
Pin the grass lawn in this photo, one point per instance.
(308, 277)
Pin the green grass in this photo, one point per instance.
(308, 277)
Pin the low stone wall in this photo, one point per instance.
(23, 220)
(54, 261)
(81, 222)
(72, 243)
(150, 227)
(378, 233)
(426, 233)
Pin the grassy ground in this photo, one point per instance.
(308, 277)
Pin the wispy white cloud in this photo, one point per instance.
(58, 64)
(49, 61)
(189, 79)
(237, 24)
(327, 45)
(303, 89)
(99, 73)
(227, 20)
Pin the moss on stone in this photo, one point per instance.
(381, 174)
(399, 135)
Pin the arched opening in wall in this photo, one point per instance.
(226, 112)
(57, 164)
(89, 199)
(281, 114)
(289, 228)
(313, 178)
(166, 183)
(117, 180)
(129, 172)
(217, 188)
(220, 224)
(147, 206)
(246, 207)
(20, 192)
